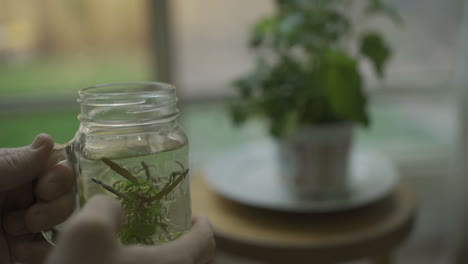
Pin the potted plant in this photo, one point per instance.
(308, 85)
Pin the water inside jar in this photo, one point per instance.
(153, 190)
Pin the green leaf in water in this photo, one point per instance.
(121, 171)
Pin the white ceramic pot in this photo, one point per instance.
(314, 161)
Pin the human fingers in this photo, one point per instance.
(39, 217)
(14, 223)
(197, 246)
(56, 181)
(29, 251)
(199, 242)
(25, 164)
(42, 216)
(90, 236)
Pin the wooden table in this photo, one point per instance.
(372, 232)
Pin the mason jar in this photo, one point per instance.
(130, 146)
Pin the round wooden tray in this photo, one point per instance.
(275, 237)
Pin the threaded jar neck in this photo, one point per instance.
(128, 104)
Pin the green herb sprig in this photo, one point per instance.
(142, 200)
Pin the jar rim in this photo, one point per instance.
(128, 104)
(155, 87)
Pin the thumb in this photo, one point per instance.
(89, 237)
(22, 165)
(197, 246)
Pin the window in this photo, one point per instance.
(55, 47)
(211, 43)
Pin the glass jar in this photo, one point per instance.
(130, 146)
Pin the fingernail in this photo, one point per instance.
(38, 142)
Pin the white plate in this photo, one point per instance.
(250, 175)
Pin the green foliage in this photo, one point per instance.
(305, 73)
(345, 95)
(142, 200)
(376, 50)
(378, 7)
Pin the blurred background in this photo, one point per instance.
(49, 49)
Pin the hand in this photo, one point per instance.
(33, 197)
(90, 238)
